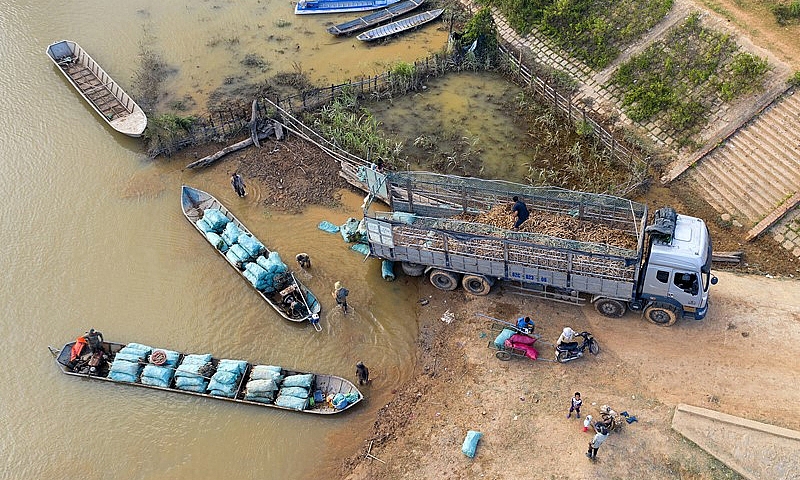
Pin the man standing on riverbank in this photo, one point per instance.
(238, 184)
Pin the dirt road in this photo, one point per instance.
(736, 361)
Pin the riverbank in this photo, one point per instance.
(520, 405)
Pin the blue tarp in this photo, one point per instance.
(471, 443)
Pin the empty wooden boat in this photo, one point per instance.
(98, 88)
(399, 26)
(375, 18)
(305, 7)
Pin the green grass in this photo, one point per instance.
(593, 31)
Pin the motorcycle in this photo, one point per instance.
(572, 350)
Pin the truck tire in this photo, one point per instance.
(476, 284)
(610, 307)
(413, 269)
(444, 280)
(661, 314)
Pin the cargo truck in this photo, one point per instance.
(660, 266)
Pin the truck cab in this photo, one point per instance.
(677, 273)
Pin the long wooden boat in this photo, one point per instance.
(98, 88)
(194, 203)
(375, 18)
(97, 365)
(401, 25)
(305, 7)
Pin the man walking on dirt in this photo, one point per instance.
(599, 438)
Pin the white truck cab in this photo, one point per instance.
(678, 270)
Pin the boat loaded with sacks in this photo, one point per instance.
(263, 269)
(98, 88)
(207, 376)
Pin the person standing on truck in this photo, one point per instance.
(520, 211)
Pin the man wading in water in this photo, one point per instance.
(238, 184)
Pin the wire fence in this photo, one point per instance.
(224, 125)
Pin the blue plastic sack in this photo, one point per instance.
(387, 270)
(471, 443)
(303, 380)
(272, 263)
(194, 381)
(196, 358)
(237, 254)
(267, 400)
(129, 357)
(163, 374)
(193, 388)
(261, 386)
(233, 366)
(227, 390)
(350, 230)
(500, 341)
(351, 397)
(253, 247)
(327, 226)
(292, 402)
(298, 392)
(129, 368)
(204, 226)
(216, 219)
(224, 378)
(122, 377)
(155, 382)
(339, 401)
(266, 372)
(217, 241)
(360, 248)
(231, 233)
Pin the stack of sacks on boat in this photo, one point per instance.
(263, 271)
(128, 363)
(191, 374)
(213, 224)
(224, 382)
(263, 383)
(295, 390)
(161, 375)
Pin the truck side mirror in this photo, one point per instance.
(714, 280)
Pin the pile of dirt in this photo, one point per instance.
(294, 173)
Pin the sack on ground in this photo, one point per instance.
(471, 443)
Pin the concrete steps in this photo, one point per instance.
(757, 168)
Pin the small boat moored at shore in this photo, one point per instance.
(263, 269)
(305, 7)
(375, 18)
(203, 375)
(400, 26)
(98, 88)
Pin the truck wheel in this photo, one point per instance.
(444, 280)
(662, 314)
(503, 355)
(610, 308)
(476, 284)
(413, 269)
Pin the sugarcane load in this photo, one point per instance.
(566, 245)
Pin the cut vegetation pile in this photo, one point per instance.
(555, 225)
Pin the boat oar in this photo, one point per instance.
(316, 324)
